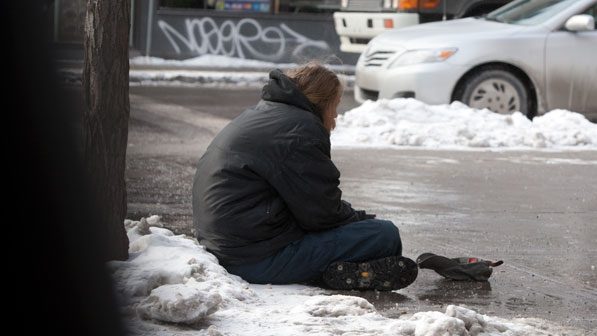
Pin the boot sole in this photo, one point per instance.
(384, 274)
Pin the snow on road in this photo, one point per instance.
(212, 61)
(208, 70)
(172, 286)
(183, 77)
(408, 122)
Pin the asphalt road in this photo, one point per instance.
(536, 210)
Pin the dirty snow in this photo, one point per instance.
(221, 61)
(182, 77)
(157, 257)
(192, 77)
(212, 61)
(171, 286)
(205, 70)
(411, 123)
(208, 70)
(180, 303)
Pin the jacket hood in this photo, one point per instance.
(282, 89)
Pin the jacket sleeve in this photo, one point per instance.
(307, 180)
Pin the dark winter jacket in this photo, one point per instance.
(267, 178)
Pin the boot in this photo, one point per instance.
(383, 274)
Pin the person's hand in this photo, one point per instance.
(364, 215)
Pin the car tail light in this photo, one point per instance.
(430, 4)
(408, 4)
(388, 23)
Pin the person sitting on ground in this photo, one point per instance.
(266, 197)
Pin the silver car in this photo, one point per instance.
(531, 56)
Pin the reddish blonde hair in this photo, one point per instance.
(322, 87)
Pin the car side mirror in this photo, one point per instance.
(581, 22)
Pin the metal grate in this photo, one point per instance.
(378, 58)
(365, 5)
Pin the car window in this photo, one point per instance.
(528, 12)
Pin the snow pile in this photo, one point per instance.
(205, 70)
(461, 321)
(335, 306)
(476, 324)
(221, 61)
(172, 279)
(183, 77)
(429, 323)
(208, 70)
(211, 61)
(408, 122)
(197, 77)
(181, 303)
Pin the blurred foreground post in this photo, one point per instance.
(105, 123)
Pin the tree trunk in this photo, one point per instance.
(105, 122)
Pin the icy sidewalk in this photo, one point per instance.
(172, 286)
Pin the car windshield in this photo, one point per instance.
(528, 12)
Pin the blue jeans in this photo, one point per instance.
(306, 259)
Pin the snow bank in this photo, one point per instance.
(212, 61)
(335, 306)
(197, 77)
(209, 70)
(220, 61)
(172, 279)
(205, 70)
(184, 77)
(463, 322)
(181, 303)
(408, 122)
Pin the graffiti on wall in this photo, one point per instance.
(245, 38)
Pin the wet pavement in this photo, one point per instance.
(535, 210)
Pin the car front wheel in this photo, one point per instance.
(497, 90)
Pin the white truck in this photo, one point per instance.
(358, 21)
